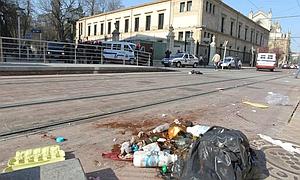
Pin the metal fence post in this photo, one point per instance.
(149, 59)
(75, 56)
(137, 58)
(27, 48)
(101, 54)
(1, 50)
(44, 53)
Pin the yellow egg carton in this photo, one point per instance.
(35, 157)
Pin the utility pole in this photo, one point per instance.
(225, 48)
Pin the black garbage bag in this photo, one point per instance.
(221, 154)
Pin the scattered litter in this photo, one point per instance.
(197, 130)
(186, 151)
(115, 139)
(254, 110)
(195, 72)
(97, 163)
(287, 81)
(152, 159)
(161, 128)
(164, 115)
(60, 139)
(291, 148)
(277, 99)
(262, 106)
(35, 157)
(233, 104)
(220, 89)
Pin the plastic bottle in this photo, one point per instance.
(152, 159)
(161, 128)
(197, 130)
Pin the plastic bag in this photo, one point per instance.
(277, 99)
(221, 154)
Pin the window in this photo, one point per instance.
(95, 29)
(222, 24)
(263, 57)
(89, 30)
(161, 21)
(182, 6)
(127, 48)
(186, 56)
(187, 34)
(102, 29)
(136, 24)
(205, 34)
(246, 33)
(210, 7)
(214, 9)
(239, 32)
(208, 35)
(116, 47)
(261, 37)
(270, 56)
(231, 28)
(251, 36)
(191, 56)
(207, 4)
(180, 36)
(107, 46)
(211, 37)
(117, 25)
(109, 28)
(148, 23)
(189, 6)
(126, 25)
(256, 37)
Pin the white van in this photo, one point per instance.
(123, 51)
(266, 61)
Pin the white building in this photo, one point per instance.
(202, 19)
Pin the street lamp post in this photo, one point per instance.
(19, 11)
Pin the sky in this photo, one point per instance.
(279, 8)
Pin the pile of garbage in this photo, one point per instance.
(183, 150)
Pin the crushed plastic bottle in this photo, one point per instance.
(151, 147)
(277, 99)
(152, 159)
(161, 128)
(197, 130)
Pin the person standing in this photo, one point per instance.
(216, 60)
(298, 71)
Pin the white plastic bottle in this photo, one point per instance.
(152, 159)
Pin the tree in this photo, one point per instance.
(8, 18)
(62, 14)
(113, 5)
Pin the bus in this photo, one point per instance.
(266, 61)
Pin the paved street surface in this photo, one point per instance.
(93, 110)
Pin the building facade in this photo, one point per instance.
(196, 19)
(279, 41)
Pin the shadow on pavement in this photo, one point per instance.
(104, 174)
(259, 168)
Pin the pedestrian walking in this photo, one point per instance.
(168, 53)
(298, 71)
(216, 60)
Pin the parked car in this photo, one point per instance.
(285, 66)
(229, 62)
(55, 51)
(181, 60)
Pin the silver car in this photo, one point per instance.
(181, 60)
(229, 62)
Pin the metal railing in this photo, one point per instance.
(39, 51)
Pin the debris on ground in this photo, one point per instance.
(60, 139)
(277, 99)
(195, 72)
(291, 148)
(35, 157)
(258, 105)
(182, 150)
